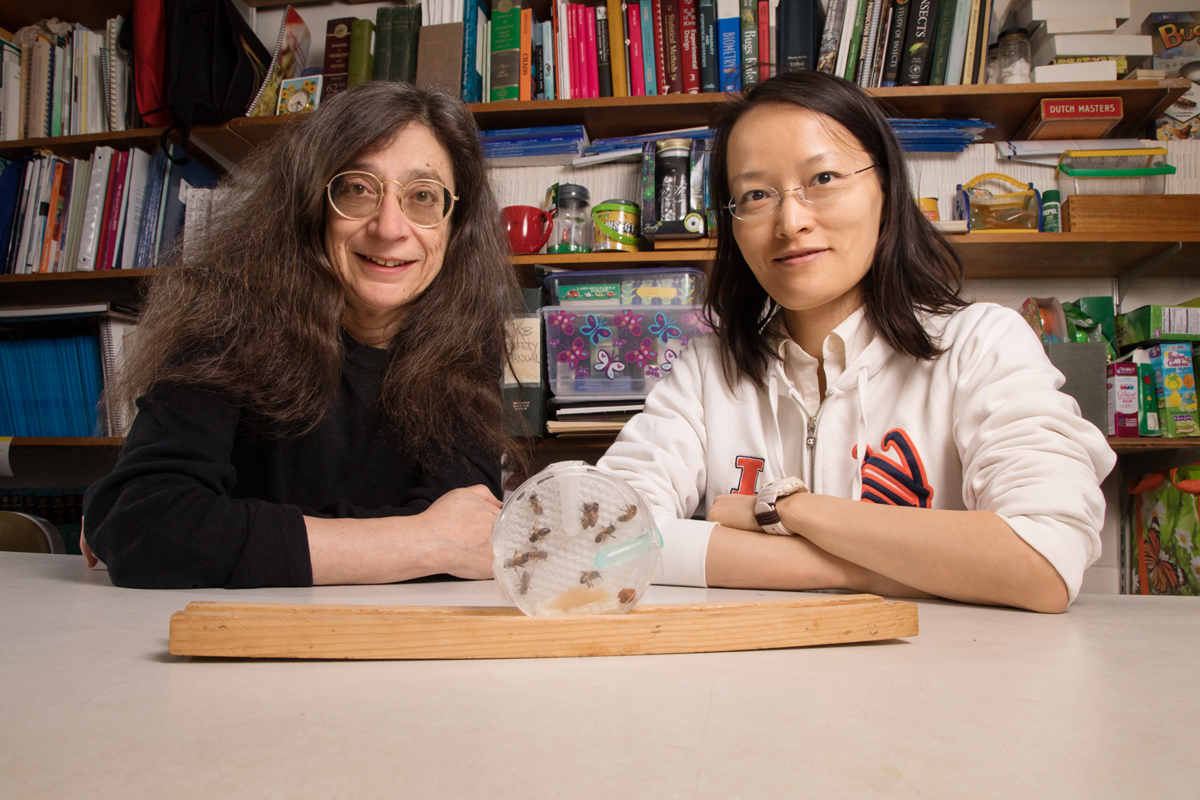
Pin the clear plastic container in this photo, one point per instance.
(616, 352)
(575, 539)
(628, 287)
(1134, 171)
(1014, 58)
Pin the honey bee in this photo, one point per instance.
(589, 577)
(518, 560)
(538, 533)
(626, 596)
(605, 533)
(591, 513)
(630, 513)
(535, 504)
(523, 587)
(535, 555)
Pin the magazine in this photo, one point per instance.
(291, 56)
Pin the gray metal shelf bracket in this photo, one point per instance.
(1132, 274)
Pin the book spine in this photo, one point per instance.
(689, 46)
(637, 68)
(729, 46)
(526, 75)
(116, 211)
(660, 48)
(831, 36)
(549, 75)
(749, 16)
(92, 219)
(969, 51)
(650, 45)
(763, 19)
(707, 25)
(603, 52)
(617, 54)
(866, 56)
(505, 54)
(941, 47)
(856, 35)
(590, 54)
(381, 67)
(958, 43)
(50, 212)
(358, 68)
(978, 74)
(918, 50)
(337, 56)
(107, 211)
(138, 173)
(399, 44)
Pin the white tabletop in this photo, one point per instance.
(1099, 702)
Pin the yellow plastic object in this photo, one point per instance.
(985, 211)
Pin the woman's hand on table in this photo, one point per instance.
(460, 530)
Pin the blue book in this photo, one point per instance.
(546, 132)
(10, 195)
(144, 252)
(627, 142)
(92, 379)
(729, 50)
(475, 14)
(646, 9)
(558, 148)
(548, 60)
(196, 175)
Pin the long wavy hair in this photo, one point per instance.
(914, 269)
(254, 308)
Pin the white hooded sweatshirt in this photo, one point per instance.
(982, 427)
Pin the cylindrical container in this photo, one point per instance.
(671, 179)
(929, 207)
(1015, 57)
(1051, 206)
(572, 222)
(617, 225)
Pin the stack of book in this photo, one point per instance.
(72, 82)
(1076, 40)
(938, 135)
(55, 362)
(120, 209)
(629, 148)
(591, 418)
(528, 147)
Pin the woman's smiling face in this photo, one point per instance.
(809, 257)
(384, 261)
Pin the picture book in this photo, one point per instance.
(1175, 41)
(291, 56)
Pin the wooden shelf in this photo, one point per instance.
(67, 441)
(1072, 255)
(121, 286)
(83, 145)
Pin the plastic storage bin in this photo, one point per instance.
(615, 352)
(1136, 171)
(628, 287)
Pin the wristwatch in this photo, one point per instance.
(764, 505)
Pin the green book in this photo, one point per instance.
(856, 37)
(384, 22)
(748, 14)
(505, 51)
(359, 70)
(405, 26)
(941, 45)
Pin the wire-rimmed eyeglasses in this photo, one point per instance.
(761, 201)
(358, 195)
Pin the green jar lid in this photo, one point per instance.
(1051, 196)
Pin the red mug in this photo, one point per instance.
(528, 228)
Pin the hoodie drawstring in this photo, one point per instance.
(860, 434)
(772, 386)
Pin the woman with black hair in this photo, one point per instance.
(902, 441)
(318, 375)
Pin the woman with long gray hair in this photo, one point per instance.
(318, 377)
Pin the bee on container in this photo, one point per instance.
(630, 513)
(523, 587)
(605, 533)
(589, 577)
(534, 555)
(538, 533)
(518, 560)
(591, 513)
(535, 504)
(626, 596)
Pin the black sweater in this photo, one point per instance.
(199, 497)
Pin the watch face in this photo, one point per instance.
(298, 101)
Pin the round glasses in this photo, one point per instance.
(358, 195)
(757, 203)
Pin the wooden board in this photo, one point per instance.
(267, 630)
(1162, 214)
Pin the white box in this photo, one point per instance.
(1081, 71)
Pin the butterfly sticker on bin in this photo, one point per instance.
(611, 350)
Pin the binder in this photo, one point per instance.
(93, 212)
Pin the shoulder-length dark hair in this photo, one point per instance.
(253, 307)
(914, 269)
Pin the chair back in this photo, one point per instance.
(25, 533)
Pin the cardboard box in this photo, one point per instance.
(1122, 400)
(1072, 118)
(1175, 388)
(1109, 213)
(1153, 323)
